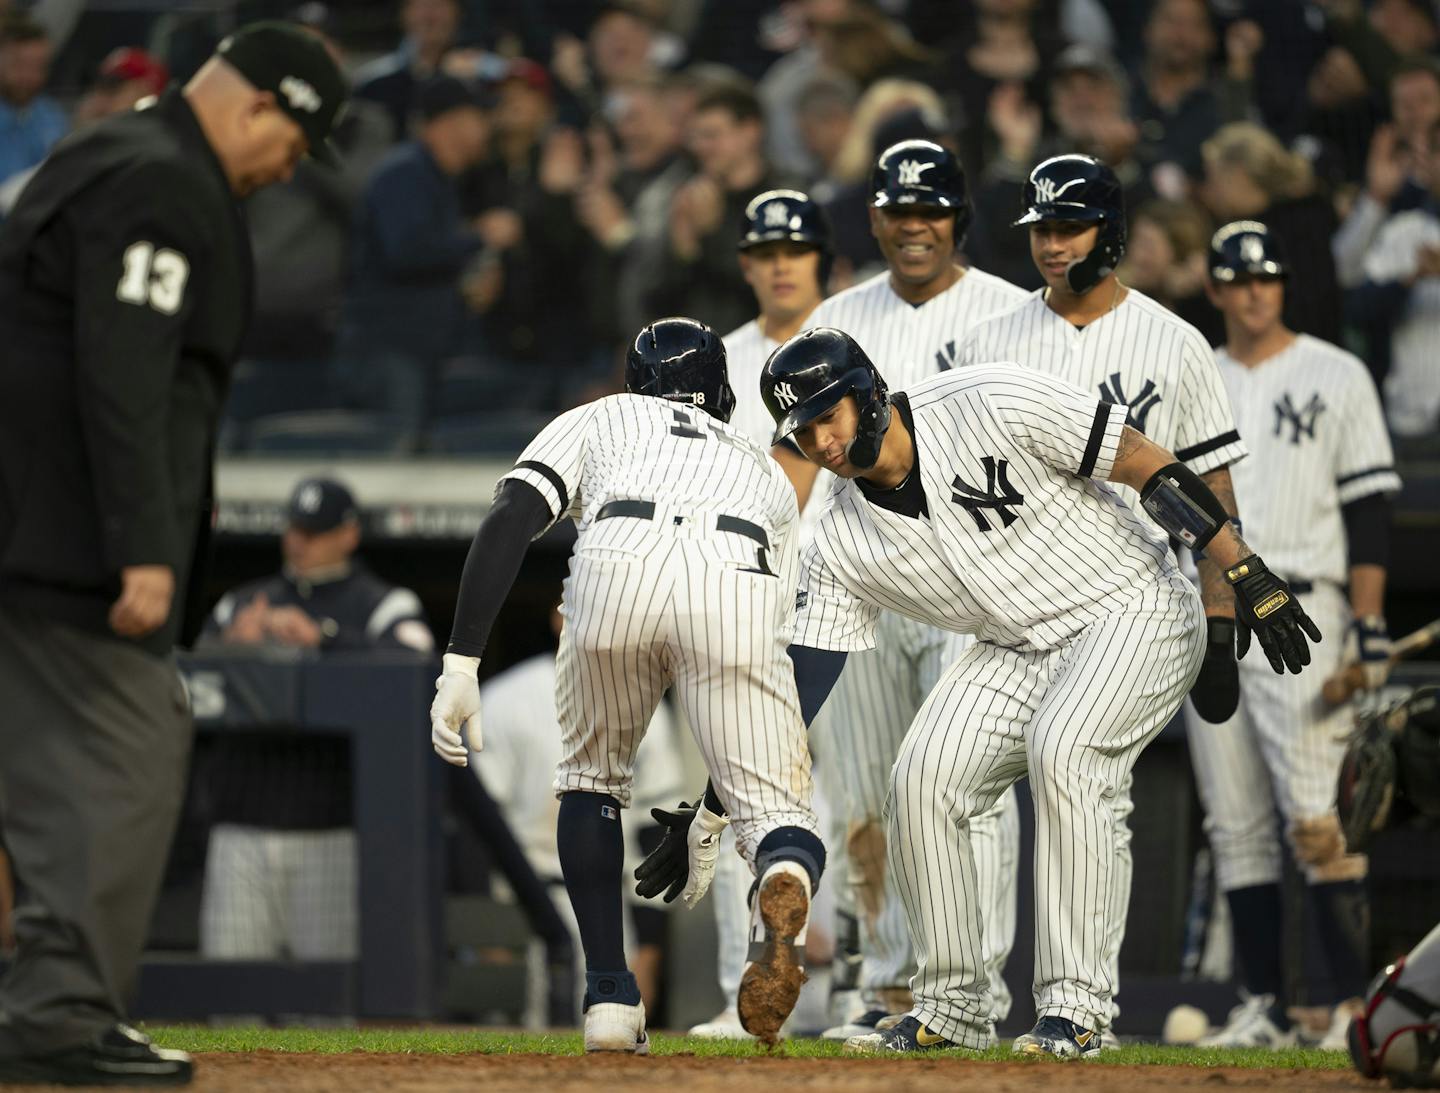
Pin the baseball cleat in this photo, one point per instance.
(117, 1056)
(614, 1026)
(771, 984)
(1250, 1024)
(723, 1026)
(863, 1025)
(1060, 1037)
(908, 1034)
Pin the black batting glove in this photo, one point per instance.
(667, 867)
(1216, 692)
(1264, 604)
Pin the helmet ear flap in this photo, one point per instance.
(874, 420)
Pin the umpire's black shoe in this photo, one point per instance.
(118, 1056)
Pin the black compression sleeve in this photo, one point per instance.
(1367, 529)
(517, 516)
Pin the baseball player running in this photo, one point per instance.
(785, 255)
(1321, 513)
(1088, 328)
(684, 573)
(976, 502)
(912, 317)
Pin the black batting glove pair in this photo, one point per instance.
(1265, 606)
(667, 867)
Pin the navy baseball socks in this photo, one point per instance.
(1256, 924)
(592, 857)
(788, 863)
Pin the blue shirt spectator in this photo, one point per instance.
(30, 122)
(395, 79)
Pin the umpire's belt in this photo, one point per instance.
(645, 510)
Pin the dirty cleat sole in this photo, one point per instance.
(771, 984)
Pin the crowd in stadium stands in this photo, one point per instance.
(526, 184)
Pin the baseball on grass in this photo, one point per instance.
(1185, 1025)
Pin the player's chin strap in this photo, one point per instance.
(864, 450)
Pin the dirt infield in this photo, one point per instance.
(356, 1072)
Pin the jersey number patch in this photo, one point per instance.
(153, 277)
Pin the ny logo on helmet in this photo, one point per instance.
(776, 215)
(1044, 190)
(910, 171)
(1252, 249)
(785, 395)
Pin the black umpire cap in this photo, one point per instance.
(293, 65)
(321, 504)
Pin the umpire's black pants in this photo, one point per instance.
(94, 740)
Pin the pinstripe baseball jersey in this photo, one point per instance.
(906, 342)
(1140, 355)
(1024, 544)
(1313, 417)
(1412, 386)
(640, 447)
(746, 351)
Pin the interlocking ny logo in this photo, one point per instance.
(785, 395)
(776, 215)
(1252, 249)
(1139, 406)
(1044, 191)
(300, 93)
(945, 357)
(1301, 420)
(973, 500)
(910, 171)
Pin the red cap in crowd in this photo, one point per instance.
(128, 63)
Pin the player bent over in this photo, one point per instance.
(1317, 502)
(977, 502)
(684, 574)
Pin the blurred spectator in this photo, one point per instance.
(1090, 104)
(1165, 259)
(1402, 289)
(403, 310)
(280, 871)
(824, 114)
(1006, 42)
(890, 111)
(30, 121)
(624, 203)
(623, 47)
(864, 45)
(126, 76)
(1174, 103)
(1408, 26)
(430, 28)
(784, 83)
(1341, 109)
(1249, 175)
(300, 236)
(697, 274)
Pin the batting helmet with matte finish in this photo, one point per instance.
(921, 172)
(683, 361)
(1079, 188)
(812, 372)
(789, 216)
(1245, 248)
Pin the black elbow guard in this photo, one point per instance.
(1183, 505)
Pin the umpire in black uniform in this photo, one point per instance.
(125, 284)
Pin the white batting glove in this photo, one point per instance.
(703, 839)
(1367, 643)
(455, 713)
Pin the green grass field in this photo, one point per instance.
(421, 1041)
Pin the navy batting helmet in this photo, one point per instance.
(812, 372)
(1244, 249)
(1080, 188)
(788, 216)
(683, 361)
(921, 172)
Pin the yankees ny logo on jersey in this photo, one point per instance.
(1140, 406)
(973, 500)
(1301, 420)
(910, 171)
(785, 395)
(945, 358)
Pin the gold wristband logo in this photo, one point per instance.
(1271, 604)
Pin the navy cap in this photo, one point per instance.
(321, 504)
(294, 66)
(441, 94)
